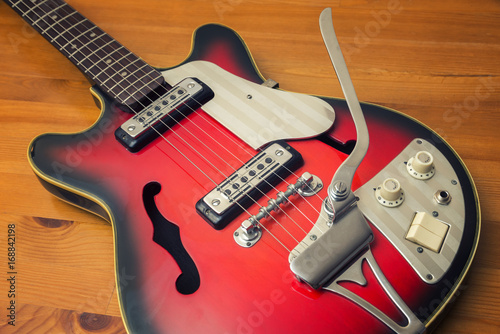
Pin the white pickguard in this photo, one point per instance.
(255, 113)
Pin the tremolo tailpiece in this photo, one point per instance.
(344, 234)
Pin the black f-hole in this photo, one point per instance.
(166, 234)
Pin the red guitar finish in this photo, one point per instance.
(241, 290)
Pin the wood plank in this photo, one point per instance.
(43, 319)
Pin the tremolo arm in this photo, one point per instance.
(343, 229)
(338, 244)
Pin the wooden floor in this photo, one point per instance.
(438, 61)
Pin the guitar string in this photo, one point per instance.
(138, 101)
(89, 30)
(230, 166)
(218, 142)
(118, 84)
(240, 145)
(68, 42)
(59, 7)
(241, 161)
(220, 158)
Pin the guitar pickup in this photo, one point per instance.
(150, 123)
(250, 182)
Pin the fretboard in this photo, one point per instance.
(118, 72)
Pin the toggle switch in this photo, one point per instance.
(427, 231)
(421, 166)
(389, 193)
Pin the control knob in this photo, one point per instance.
(389, 193)
(421, 166)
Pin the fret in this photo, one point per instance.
(95, 50)
(21, 8)
(108, 62)
(120, 73)
(149, 80)
(131, 97)
(45, 15)
(126, 79)
(126, 76)
(15, 5)
(63, 35)
(73, 32)
(32, 9)
(111, 71)
(110, 51)
(116, 80)
(140, 80)
(79, 36)
(96, 68)
(146, 80)
(129, 62)
(59, 33)
(114, 67)
(79, 51)
(62, 32)
(72, 41)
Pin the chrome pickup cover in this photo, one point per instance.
(156, 111)
(250, 182)
(165, 112)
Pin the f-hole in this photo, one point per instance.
(167, 235)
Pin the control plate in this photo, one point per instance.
(395, 222)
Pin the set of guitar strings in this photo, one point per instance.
(59, 11)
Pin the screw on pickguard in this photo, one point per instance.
(166, 234)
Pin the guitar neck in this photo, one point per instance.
(118, 72)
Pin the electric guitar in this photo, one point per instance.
(238, 207)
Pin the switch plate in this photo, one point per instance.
(427, 231)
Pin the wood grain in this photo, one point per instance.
(437, 61)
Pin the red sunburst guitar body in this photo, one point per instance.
(178, 271)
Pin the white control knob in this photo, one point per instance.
(389, 193)
(421, 166)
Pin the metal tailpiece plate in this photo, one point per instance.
(354, 273)
(316, 261)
